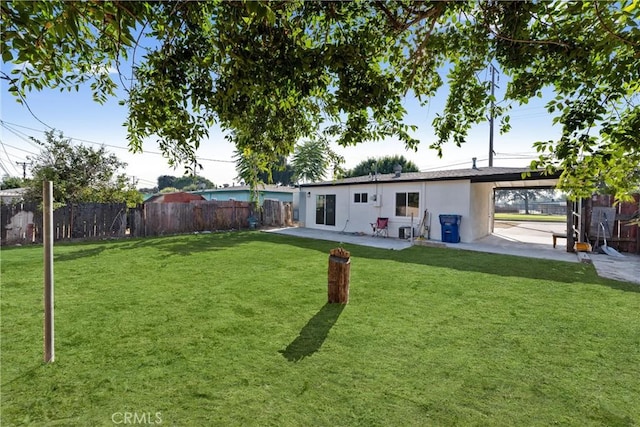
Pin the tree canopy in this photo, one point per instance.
(312, 159)
(187, 183)
(273, 73)
(11, 182)
(384, 164)
(81, 174)
(525, 194)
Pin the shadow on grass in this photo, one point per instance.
(85, 253)
(28, 373)
(472, 261)
(454, 259)
(314, 333)
(175, 245)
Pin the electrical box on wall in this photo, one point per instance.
(377, 202)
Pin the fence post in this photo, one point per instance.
(47, 227)
(339, 275)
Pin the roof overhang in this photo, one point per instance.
(532, 180)
(511, 178)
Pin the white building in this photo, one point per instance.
(350, 205)
(12, 195)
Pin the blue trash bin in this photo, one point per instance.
(450, 226)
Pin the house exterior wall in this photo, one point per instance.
(439, 197)
(302, 207)
(481, 214)
(244, 195)
(449, 198)
(387, 193)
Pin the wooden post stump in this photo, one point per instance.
(339, 273)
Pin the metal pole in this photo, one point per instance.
(493, 105)
(411, 238)
(47, 227)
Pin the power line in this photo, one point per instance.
(4, 168)
(449, 165)
(20, 149)
(8, 157)
(23, 136)
(108, 145)
(23, 100)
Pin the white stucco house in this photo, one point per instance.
(350, 205)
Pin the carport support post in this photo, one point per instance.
(47, 228)
(570, 229)
(339, 274)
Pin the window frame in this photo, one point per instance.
(360, 198)
(326, 209)
(407, 202)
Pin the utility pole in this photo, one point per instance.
(493, 106)
(24, 168)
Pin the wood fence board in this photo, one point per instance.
(97, 220)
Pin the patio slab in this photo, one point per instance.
(352, 238)
(626, 268)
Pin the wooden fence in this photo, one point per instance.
(22, 223)
(276, 213)
(160, 219)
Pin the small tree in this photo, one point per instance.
(79, 173)
(312, 158)
(281, 173)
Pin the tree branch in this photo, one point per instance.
(419, 15)
(417, 55)
(513, 40)
(610, 31)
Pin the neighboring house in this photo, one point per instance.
(350, 205)
(179, 197)
(12, 195)
(242, 193)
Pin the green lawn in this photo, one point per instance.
(530, 217)
(233, 330)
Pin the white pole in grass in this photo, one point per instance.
(47, 228)
(411, 239)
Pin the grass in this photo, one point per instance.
(233, 330)
(530, 217)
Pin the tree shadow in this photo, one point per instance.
(174, 245)
(471, 261)
(313, 334)
(84, 253)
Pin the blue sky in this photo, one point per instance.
(90, 123)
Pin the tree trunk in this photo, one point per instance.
(339, 274)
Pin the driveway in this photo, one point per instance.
(530, 231)
(523, 238)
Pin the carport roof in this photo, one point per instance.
(514, 176)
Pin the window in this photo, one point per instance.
(407, 204)
(326, 209)
(360, 197)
